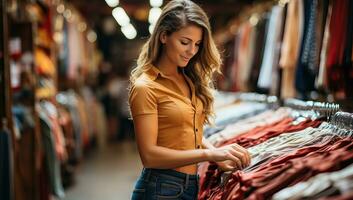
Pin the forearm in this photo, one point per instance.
(165, 158)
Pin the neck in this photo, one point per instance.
(166, 67)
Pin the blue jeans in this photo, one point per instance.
(156, 184)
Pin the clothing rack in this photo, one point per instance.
(323, 109)
(272, 101)
(343, 120)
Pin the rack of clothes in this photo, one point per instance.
(46, 125)
(297, 49)
(288, 142)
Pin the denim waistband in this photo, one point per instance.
(148, 172)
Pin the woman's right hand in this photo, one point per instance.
(238, 155)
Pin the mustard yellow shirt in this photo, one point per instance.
(180, 119)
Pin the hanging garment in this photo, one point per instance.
(59, 140)
(338, 31)
(51, 159)
(290, 47)
(224, 82)
(270, 58)
(259, 46)
(245, 56)
(321, 81)
(347, 59)
(234, 65)
(6, 165)
(307, 65)
(44, 65)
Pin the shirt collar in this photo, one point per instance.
(153, 72)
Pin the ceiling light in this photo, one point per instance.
(154, 15)
(254, 19)
(82, 26)
(91, 36)
(129, 31)
(120, 16)
(67, 13)
(112, 3)
(58, 37)
(109, 25)
(60, 8)
(150, 28)
(156, 3)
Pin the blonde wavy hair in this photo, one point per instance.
(175, 15)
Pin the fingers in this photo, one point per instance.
(235, 159)
(239, 156)
(245, 154)
(238, 152)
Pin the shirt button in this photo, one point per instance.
(196, 130)
(198, 146)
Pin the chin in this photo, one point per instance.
(183, 64)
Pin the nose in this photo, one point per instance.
(192, 50)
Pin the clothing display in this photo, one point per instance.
(314, 55)
(321, 185)
(45, 138)
(306, 50)
(285, 147)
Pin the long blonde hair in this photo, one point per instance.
(175, 15)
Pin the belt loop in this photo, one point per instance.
(187, 180)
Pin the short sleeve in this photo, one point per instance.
(142, 100)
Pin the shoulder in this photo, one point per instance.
(143, 83)
(143, 88)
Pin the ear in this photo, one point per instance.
(163, 37)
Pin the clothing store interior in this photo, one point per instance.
(285, 94)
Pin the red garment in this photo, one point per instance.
(338, 32)
(287, 170)
(58, 137)
(211, 178)
(338, 29)
(261, 134)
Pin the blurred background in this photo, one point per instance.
(64, 69)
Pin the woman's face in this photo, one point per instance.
(182, 45)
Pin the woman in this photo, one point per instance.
(170, 101)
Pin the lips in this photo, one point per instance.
(185, 58)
